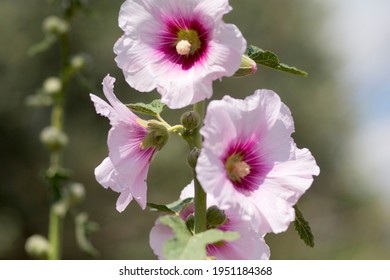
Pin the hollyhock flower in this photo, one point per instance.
(249, 159)
(177, 47)
(126, 167)
(250, 245)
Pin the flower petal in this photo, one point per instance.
(123, 200)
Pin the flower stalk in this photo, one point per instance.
(57, 121)
(200, 195)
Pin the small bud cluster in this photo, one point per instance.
(55, 25)
(53, 138)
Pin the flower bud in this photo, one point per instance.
(37, 246)
(55, 25)
(74, 193)
(215, 217)
(190, 120)
(52, 85)
(53, 138)
(192, 157)
(60, 208)
(157, 137)
(248, 67)
(78, 61)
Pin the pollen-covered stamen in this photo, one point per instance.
(241, 169)
(236, 168)
(188, 42)
(183, 47)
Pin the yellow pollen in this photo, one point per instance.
(240, 169)
(183, 47)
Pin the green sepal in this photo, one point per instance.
(172, 208)
(157, 136)
(303, 228)
(269, 59)
(185, 246)
(153, 108)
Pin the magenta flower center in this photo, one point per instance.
(184, 41)
(245, 166)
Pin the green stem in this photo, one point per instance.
(55, 233)
(200, 195)
(57, 120)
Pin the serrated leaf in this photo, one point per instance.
(173, 208)
(179, 205)
(154, 108)
(160, 208)
(303, 228)
(185, 246)
(269, 59)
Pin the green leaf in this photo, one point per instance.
(303, 228)
(154, 108)
(270, 59)
(172, 208)
(42, 46)
(185, 246)
(39, 99)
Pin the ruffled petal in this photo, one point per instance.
(123, 200)
(258, 129)
(146, 56)
(116, 112)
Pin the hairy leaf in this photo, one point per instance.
(270, 59)
(174, 207)
(154, 108)
(303, 228)
(185, 246)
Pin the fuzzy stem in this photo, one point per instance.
(55, 234)
(200, 195)
(57, 120)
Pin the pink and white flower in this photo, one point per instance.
(178, 47)
(250, 245)
(126, 167)
(249, 159)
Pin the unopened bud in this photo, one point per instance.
(52, 85)
(248, 67)
(78, 61)
(215, 217)
(60, 208)
(192, 157)
(53, 138)
(74, 193)
(190, 120)
(55, 25)
(37, 246)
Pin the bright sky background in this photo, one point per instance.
(360, 30)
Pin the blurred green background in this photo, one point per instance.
(346, 207)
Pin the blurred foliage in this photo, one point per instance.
(347, 224)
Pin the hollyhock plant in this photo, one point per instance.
(126, 167)
(250, 245)
(177, 47)
(249, 159)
